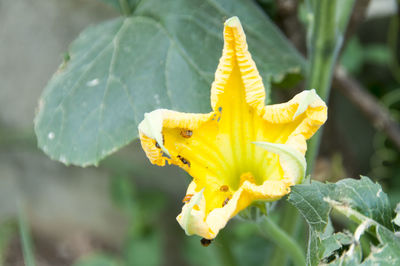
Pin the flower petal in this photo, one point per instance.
(196, 221)
(292, 161)
(295, 121)
(152, 126)
(236, 54)
(191, 142)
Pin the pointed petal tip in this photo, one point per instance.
(308, 97)
(232, 22)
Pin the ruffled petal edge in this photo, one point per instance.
(236, 52)
(193, 218)
(151, 130)
(308, 103)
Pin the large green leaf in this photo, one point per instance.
(164, 56)
(361, 201)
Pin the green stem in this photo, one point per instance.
(327, 30)
(26, 240)
(282, 239)
(289, 221)
(125, 8)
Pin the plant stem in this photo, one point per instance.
(282, 239)
(290, 223)
(329, 21)
(125, 8)
(26, 240)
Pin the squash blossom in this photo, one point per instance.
(240, 152)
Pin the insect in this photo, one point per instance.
(186, 133)
(187, 198)
(205, 242)
(225, 202)
(224, 188)
(163, 142)
(183, 160)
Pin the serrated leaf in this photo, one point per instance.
(396, 219)
(334, 242)
(360, 200)
(363, 195)
(349, 258)
(309, 200)
(388, 253)
(366, 197)
(164, 56)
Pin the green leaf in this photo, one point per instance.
(334, 242)
(363, 202)
(164, 56)
(388, 252)
(366, 197)
(377, 54)
(350, 258)
(396, 219)
(309, 200)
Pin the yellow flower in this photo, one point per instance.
(240, 152)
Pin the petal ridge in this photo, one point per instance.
(235, 51)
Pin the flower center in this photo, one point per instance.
(248, 176)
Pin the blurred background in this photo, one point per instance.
(123, 211)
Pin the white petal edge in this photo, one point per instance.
(308, 97)
(292, 161)
(152, 126)
(188, 213)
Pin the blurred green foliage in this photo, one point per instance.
(8, 230)
(356, 55)
(146, 242)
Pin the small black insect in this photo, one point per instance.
(205, 242)
(183, 160)
(225, 202)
